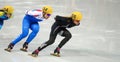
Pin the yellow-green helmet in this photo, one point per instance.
(8, 9)
(77, 15)
(47, 9)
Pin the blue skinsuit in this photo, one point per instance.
(29, 22)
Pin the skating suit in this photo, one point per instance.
(59, 27)
(30, 21)
(2, 18)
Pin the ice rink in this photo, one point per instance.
(97, 39)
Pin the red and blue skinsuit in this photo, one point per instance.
(30, 21)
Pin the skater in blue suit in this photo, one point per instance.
(5, 14)
(30, 21)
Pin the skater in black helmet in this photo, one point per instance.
(59, 27)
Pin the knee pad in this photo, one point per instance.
(61, 33)
(66, 34)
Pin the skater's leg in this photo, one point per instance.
(67, 36)
(44, 45)
(25, 30)
(54, 31)
(35, 29)
(49, 42)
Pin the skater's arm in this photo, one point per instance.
(72, 25)
(3, 17)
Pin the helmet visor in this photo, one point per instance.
(77, 21)
(48, 14)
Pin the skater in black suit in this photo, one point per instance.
(59, 27)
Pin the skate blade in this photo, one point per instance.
(23, 50)
(7, 50)
(53, 54)
(32, 55)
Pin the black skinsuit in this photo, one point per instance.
(59, 26)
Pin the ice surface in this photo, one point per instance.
(95, 40)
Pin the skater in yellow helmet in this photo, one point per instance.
(30, 21)
(76, 16)
(5, 14)
(47, 11)
(59, 27)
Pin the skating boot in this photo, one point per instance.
(25, 47)
(56, 52)
(35, 53)
(10, 47)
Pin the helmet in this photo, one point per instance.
(77, 15)
(8, 9)
(47, 9)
